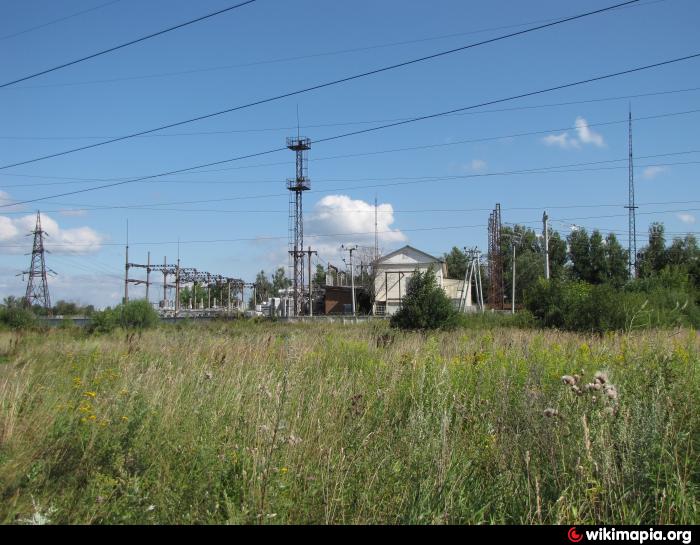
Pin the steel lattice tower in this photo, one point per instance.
(296, 187)
(37, 284)
(632, 208)
(495, 259)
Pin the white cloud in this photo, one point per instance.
(335, 215)
(686, 218)
(79, 240)
(73, 213)
(584, 135)
(478, 165)
(652, 172)
(562, 140)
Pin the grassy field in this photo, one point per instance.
(273, 423)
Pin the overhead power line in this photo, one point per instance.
(55, 21)
(359, 122)
(403, 181)
(127, 44)
(320, 85)
(70, 181)
(307, 56)
(284, 237)
(381, 127)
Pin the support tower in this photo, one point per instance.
(37, 284)
(296, 187)
(632, 209)
(495, 259)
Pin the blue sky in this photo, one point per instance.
(271, 47)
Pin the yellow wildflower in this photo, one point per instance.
(90, 394)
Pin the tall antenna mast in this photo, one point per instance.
(632, 244)
(296, 187)
(37, 284)
(376, 231)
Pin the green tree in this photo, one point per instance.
(616, 258)
(456, 262)
(320, 276)
(557, 254)
(652, 258)
(598, 272)
(425, 305)
(280, 281)
(580, 254)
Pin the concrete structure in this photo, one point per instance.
(393, 271)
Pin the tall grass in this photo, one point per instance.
(276, 423)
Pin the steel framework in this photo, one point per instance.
(296, 186)
(495, 259)
(37, 283)
(632, 209)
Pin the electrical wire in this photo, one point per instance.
(257, 154)
(55, 21)
(320, 85)
(126, 44)
(71, 181)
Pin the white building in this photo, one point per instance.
(393, 271)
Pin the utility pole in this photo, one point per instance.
(631, 207)
(545, 217)
(351, 249)
(514, 240)
(311, 282)
(37, 270)
(126, 272)
(148, 274)
(165, 282)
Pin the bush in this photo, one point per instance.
(137, 314)
(17, 317)
(579, 306)
(425, 305)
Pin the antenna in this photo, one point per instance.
(376, 231)
(631, 207)
(296, 187)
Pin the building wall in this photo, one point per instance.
(393, 274)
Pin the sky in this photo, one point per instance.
(435, 180)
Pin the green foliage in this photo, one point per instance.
(596, 260)
(425, 305)
(456, 262)
(138, 314)
(579, 306)
(68, 308)
(16, 317)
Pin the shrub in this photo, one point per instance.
(137, 314)
(17, 317)
(579, 306)
(425, 305)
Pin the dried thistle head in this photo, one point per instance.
(600, 377)
(568, 380)
(551, 413)
(610, 391)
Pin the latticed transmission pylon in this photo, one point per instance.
(296, 187)
(495, 259)
(37, 284)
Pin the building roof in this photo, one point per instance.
(410, 249)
